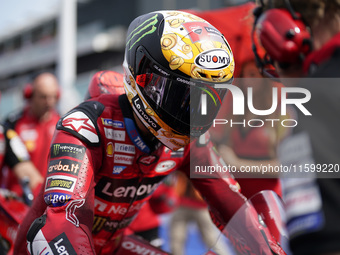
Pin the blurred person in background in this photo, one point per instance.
(13, 154)
(302, 39)
(250, 146)
(238, 144)
(241, 145)
(35, 123)
(105, 82)
(191, 209)
(14, 199)
(148, 222)
(14, 157)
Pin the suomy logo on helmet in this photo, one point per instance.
(213, 59)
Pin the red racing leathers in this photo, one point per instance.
(101, 172)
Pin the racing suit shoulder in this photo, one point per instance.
(81, 122)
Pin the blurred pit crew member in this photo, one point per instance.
(13, 154)
(36, 122)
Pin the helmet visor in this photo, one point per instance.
(188, 106)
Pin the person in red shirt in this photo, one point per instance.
(14, 202)
(35, 124)
(192, 209)
(246, 146)
(13, 154)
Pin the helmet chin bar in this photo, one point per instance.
(151, 121)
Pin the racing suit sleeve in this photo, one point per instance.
(69, 195)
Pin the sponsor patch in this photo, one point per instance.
(165, 166)
(113, 123)
(57, 199)
(213, 59)
(117, 135)
(123, 159)
(104, 223)
(116, 209)
(135, 246)
(109, 149)
(118, 169)
(147, 160)
(124, 191)
(67, 149)
(127, 148)
(135, 137)
(61, 245)
(80, 123)
(64, 166)
(137, 102)
(60, 183)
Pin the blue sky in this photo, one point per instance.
(14, 14)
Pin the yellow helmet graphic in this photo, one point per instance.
(196, 48)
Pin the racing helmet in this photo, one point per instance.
(171, 59)
(105, 82)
